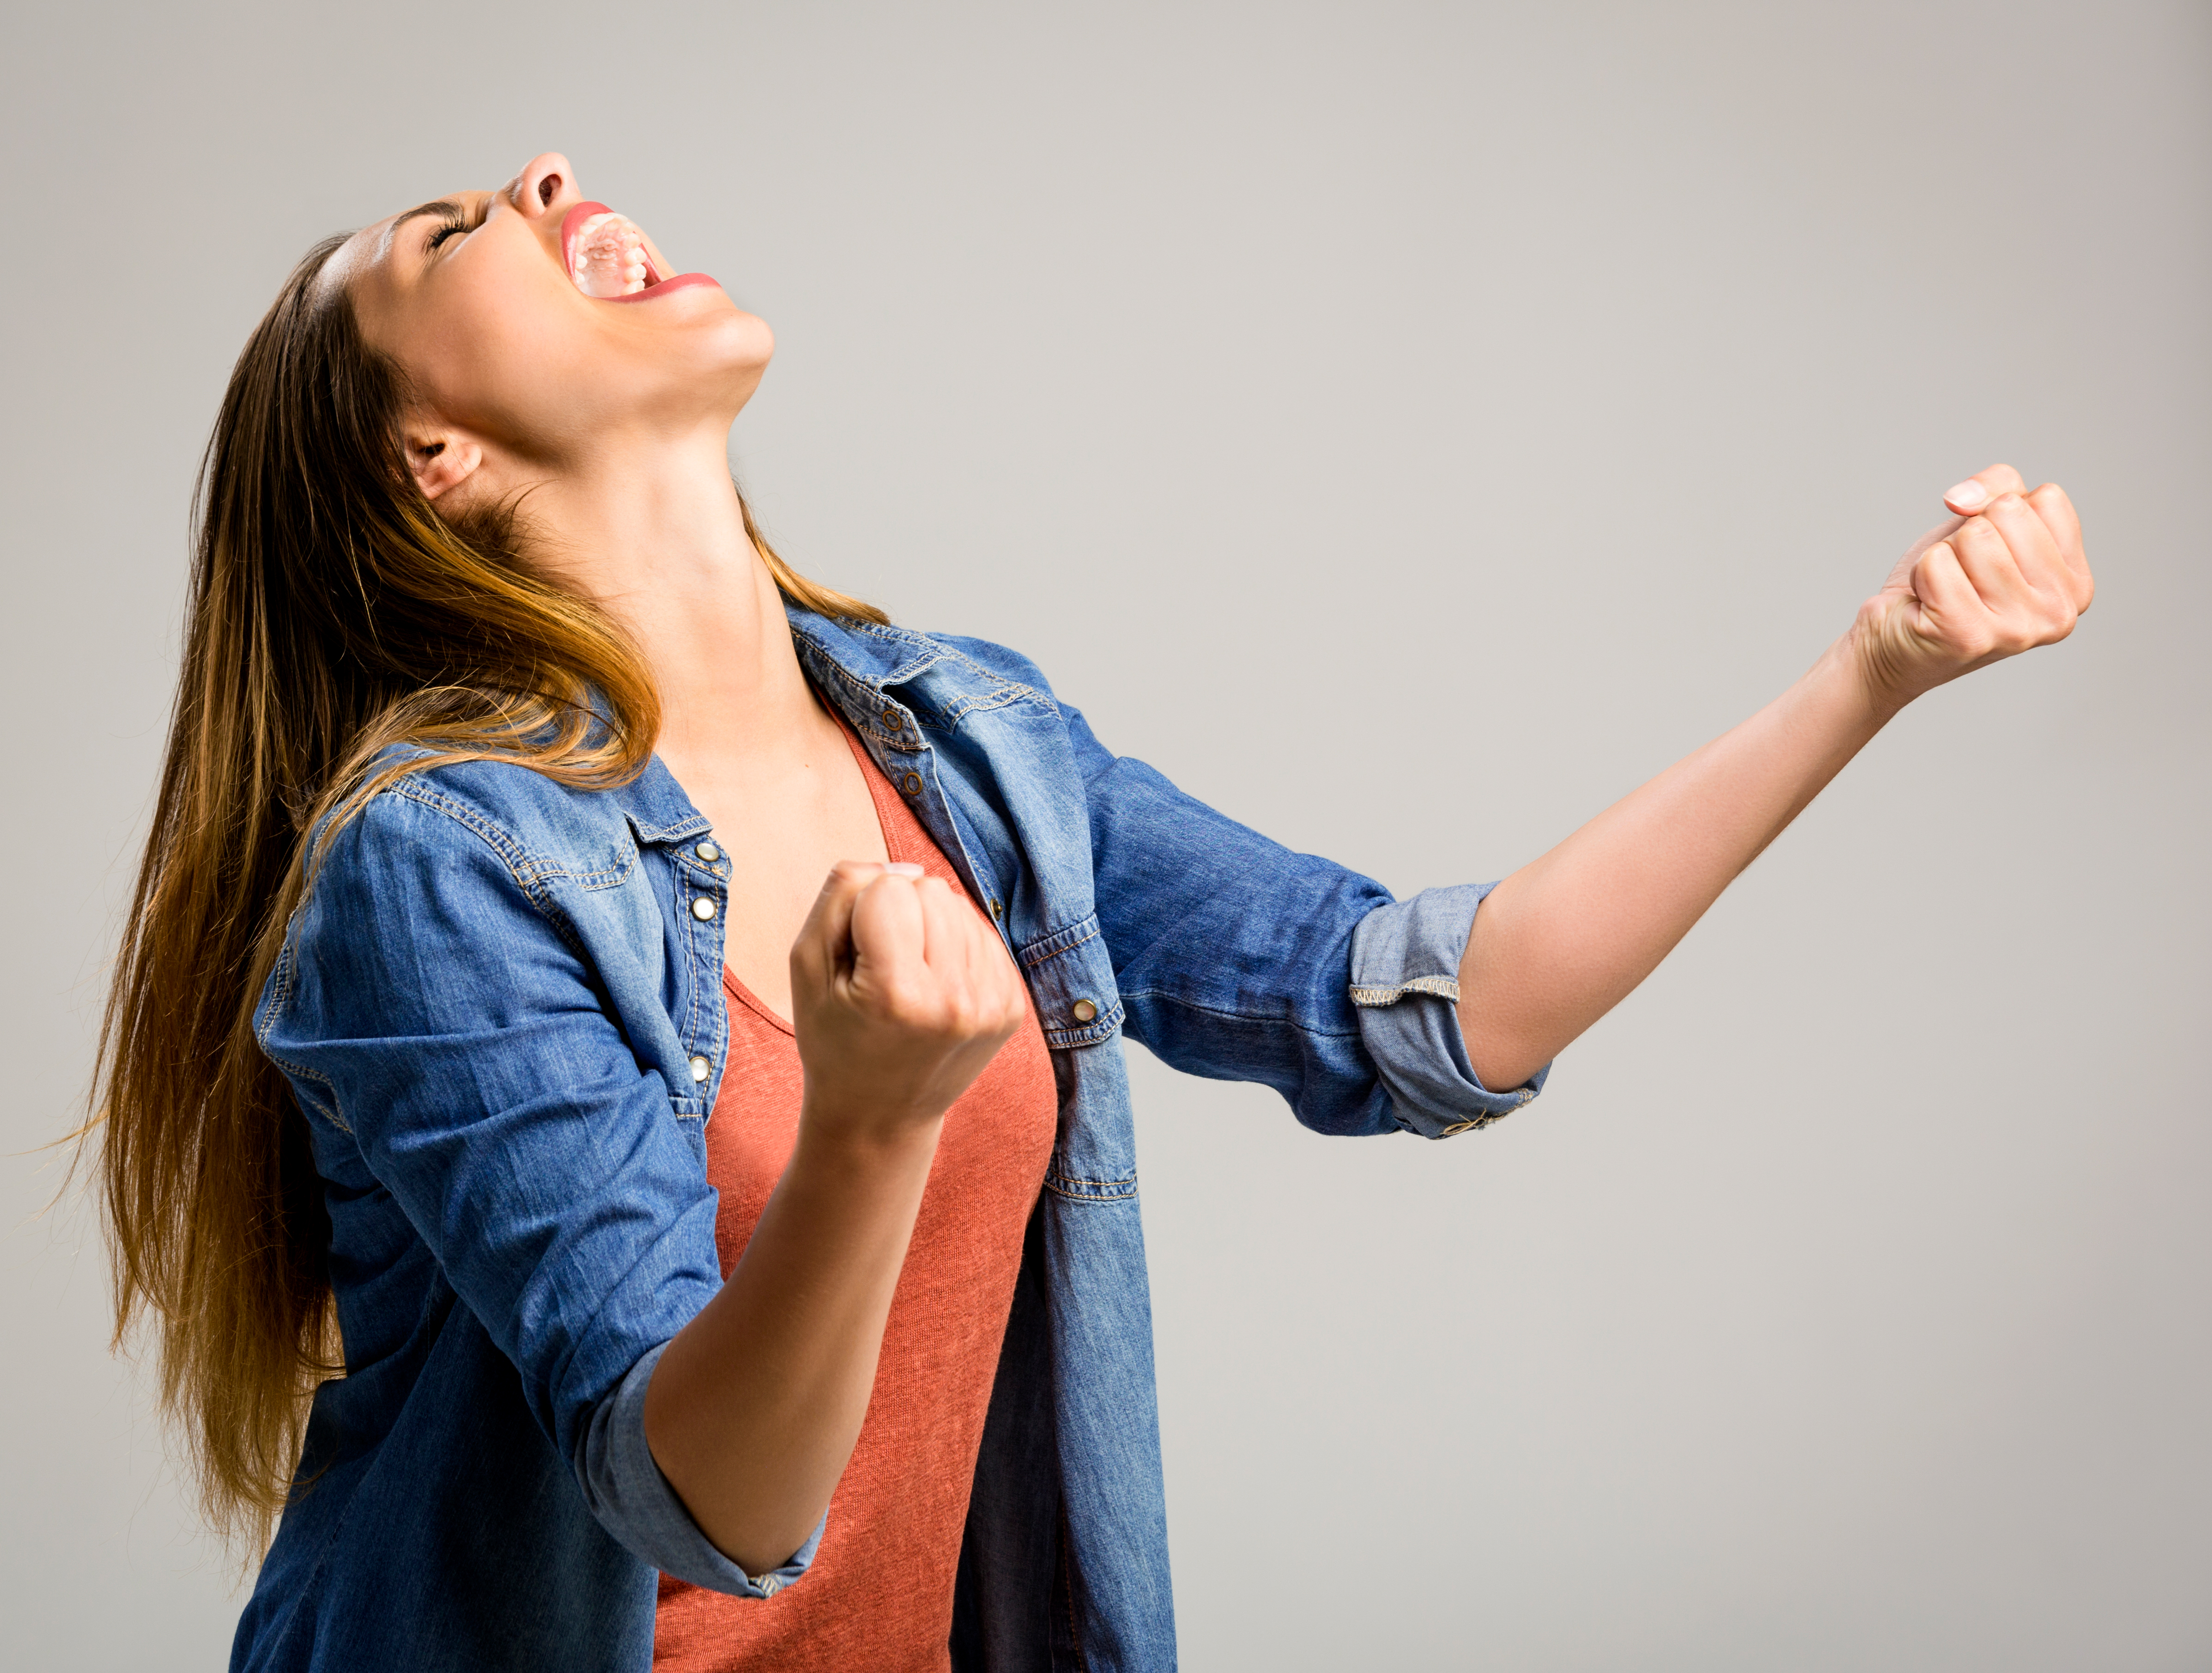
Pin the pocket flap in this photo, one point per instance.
(1071, 980)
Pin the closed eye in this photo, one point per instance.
(454, 223)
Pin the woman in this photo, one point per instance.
(729, 1269)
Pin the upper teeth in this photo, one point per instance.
(608, 256)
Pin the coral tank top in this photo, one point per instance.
(878, 1596)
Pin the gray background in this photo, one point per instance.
(1409, 426)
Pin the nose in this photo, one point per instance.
(546, 186)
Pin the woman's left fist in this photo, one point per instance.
(2004, 576)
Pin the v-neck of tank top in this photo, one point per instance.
(879, 1593)
(893, 819)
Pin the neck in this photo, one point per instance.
(655, 536)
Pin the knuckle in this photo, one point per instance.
(961, 1015)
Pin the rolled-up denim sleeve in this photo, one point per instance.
(1405, 982)
(1237, 958)
(626, 1490)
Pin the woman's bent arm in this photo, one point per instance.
(1565, 939)
(901, 996)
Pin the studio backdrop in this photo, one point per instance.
(1408, 427)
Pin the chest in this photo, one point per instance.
(780, 837)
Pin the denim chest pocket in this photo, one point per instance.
(587, 865)
(581, 851)
(1071, 981)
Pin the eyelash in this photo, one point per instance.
(448, 229)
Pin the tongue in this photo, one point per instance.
(609, 258)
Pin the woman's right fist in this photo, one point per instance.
(2004, 575)
(901, 992)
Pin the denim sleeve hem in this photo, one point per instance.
(624, 1486)
(1405, 983)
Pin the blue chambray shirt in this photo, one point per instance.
(500, 1008)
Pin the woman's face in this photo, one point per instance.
(480, 298)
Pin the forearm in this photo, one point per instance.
(753, 1410)
(1565, 939)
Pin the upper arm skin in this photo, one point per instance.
(441, 1019)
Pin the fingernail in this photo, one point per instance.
(903, 868)
(1968, 496)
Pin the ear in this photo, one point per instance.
(440, 459)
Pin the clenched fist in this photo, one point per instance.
(902, 993)
(2006, 575)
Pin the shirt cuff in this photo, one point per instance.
(632, 1498)
(1405, 982)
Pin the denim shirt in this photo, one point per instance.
(500, 1008)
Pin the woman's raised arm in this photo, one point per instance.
(1567, 937)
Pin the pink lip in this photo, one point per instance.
(656, 285)
(662, 286)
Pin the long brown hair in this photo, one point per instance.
(332, 611)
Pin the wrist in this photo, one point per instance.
(865, 1141)
(1850, 673)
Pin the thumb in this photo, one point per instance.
(1900, 577)
(1974, 494)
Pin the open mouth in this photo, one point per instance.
(607, 256)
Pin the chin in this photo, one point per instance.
(758, 343)
(716, 330)
(728, 358)
(741, 346)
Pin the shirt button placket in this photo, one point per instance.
(708, 953)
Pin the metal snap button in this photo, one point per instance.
(1083, 1011)
(996, 911)
(703, 908)
(708, 852)
(911, 784)
(701, 1068)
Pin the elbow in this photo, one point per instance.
(1502, 1065)
(1445, 1043)
(635, 1501)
